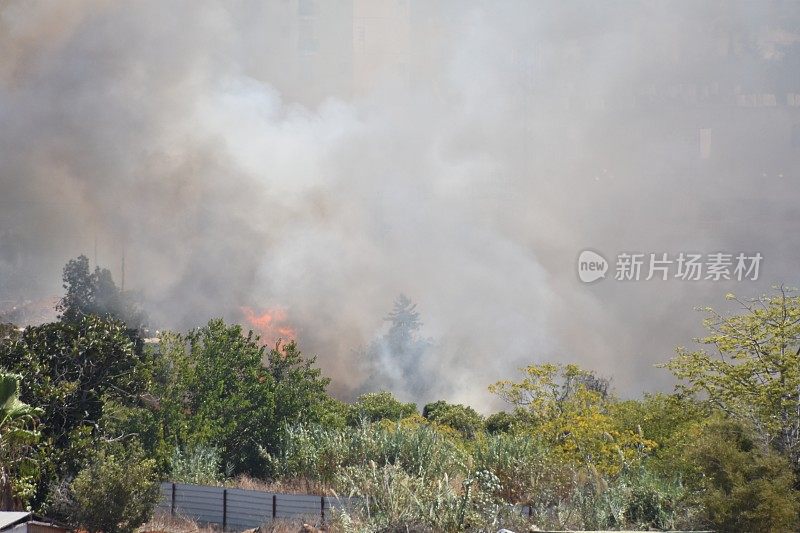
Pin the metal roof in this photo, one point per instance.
(10, 518)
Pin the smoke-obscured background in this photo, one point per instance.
(320, 157)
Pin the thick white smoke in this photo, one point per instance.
(325, 157)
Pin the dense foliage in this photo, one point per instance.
(71, 371)
(218, 386)
(375, 406)
(91, 417)
(114, 493)
(90, 292)
(18, 468)
(753, 371)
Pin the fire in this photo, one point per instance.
(270, 324)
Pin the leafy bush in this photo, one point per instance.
(18, 434)
(115, 493)
(739, 485)
(375, 406)
(200, 465)
(654, 503)
(571, 409)
(501, 422)
(462, 418)
(218, 386)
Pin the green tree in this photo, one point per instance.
(334, 413)
(571, 409)
(405, 322)
(215, 391)
(299, 386)
(95, 293)
(739, 484)
(752, 371)
(375, 406)
(70, 370)
(546, 390)
(500, 422)
(462, 418)
(219, 387)
(127, 421)
(668, 420)
(18, 433)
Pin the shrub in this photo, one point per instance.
(653, 503)
(200, 465)
(115, 493)
(375, 406)
(563, 493)
(527, 473)
(18, 435)
(501, 422)
(462, 418)
(70, 370)
(740, 485)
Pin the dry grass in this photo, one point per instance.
(165, 523)
(279, 486)
(283, 486)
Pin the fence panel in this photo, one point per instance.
(240, 509)
(202, 503)
(165, 498)
(295, 505)
(247, 509)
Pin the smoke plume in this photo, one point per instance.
(323, 157)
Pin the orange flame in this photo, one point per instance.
(270, 324)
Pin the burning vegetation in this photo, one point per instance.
(271, 324)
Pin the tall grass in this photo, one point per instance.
(199, 464)
(390, 499)
(320, 453)
(413, 475)
(564, 494)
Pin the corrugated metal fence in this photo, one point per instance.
(239, 509)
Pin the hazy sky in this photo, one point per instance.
(325, 156)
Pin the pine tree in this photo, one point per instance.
(405, 322)
(397, 358)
